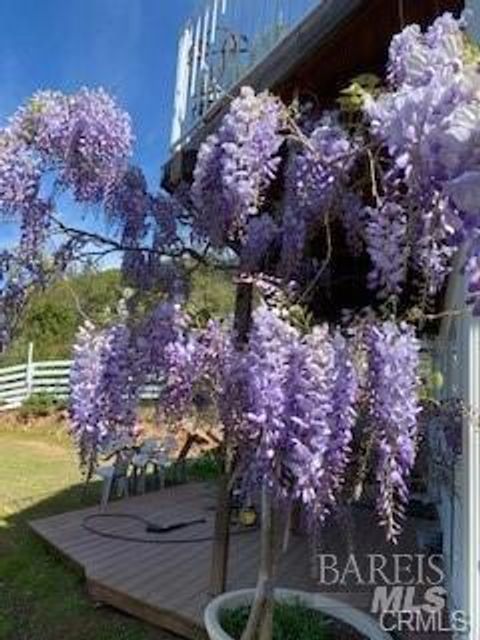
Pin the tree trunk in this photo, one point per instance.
(221, 543)
(260, 621)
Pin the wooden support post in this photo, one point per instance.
(260, 621)
(243, 313)
(221, 544)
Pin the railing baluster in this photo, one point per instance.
(213, 32)
(187, 71)
(181, 86)
(206, 25)
(195, 54)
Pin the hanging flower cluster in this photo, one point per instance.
(236, 165)
(415, 56)
(196, 364)
(392, 389)
(429, 122)
(79, 142)
(386, 240)
(128, 206)
(20, 174)
(295, 426)
(165, 324)
(138, 214)
(317, 175)
(261, 233)
(104, 391)
(84, 136)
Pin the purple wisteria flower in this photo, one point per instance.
(84, 136)
(80, 142)
(387, 246)
(104, 392)
(261, 233)
(415, 56)
(128, 206)
(293, 420)
(196, 362)
(165, 324)
(236, 165)
(429, 121)
(392, 387)
(316, 177)
(20, 174)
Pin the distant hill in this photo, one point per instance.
(52, 317)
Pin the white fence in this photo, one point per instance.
(221, 44)
(19, 382)
(51, 377)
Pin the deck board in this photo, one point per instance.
(167, 584)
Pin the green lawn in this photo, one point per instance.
(40, 599)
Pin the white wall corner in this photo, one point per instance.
(470, 365)
(471, 341)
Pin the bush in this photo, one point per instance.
(40, 405)
(205, 467)
(52, 317)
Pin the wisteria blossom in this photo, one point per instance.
(415, 56)
(20, 174)
(393, 370)
(429, 120)
(261, 234)
(104, 396)
(165, 324)
(295, 426)
(84, 135)
(317, 173)
(386, 235)
(235, 166)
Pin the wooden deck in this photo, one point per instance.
(167, 584)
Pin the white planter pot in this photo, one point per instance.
(356, 619)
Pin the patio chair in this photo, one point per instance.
(163, 458)
(115, 477)
(158, 455)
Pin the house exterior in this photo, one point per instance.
(305, 47)
(292, 47)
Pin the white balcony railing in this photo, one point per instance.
(220, 45)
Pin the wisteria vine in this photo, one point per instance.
(396, 179)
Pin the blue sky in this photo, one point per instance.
(127, 46)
